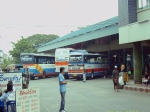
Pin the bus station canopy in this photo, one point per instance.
(99, 30)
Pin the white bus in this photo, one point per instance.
(62, 56)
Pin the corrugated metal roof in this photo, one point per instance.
(90, 29)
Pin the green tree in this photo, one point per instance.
(6, 63)
(22, 46)
(29, 45)
(39, 39)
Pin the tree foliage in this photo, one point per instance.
(6, 63)
(29, 45)
(39, 39)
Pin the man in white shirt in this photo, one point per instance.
(84, 74)
(9, 94)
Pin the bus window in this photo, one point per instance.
(35, 60)
(52, 60)
(95, 59)
(48, 61)
(105, 59)
(42, 60)
(85, 59)
(75, 58)
(91, 59)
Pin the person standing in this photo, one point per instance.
(124, 73)
(62, 84)
(84, 74)
(11, 82)
(115, 75)
(9, 95)
(121, 83)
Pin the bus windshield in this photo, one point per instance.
(75, 58)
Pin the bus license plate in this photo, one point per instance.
(75, 75)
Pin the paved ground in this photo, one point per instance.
(93, 96)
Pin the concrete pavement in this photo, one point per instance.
(93, 96)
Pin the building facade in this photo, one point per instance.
(134, 27)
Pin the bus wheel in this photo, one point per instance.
(44, 75)
(32, 78)
(92, 75)
(56, 75)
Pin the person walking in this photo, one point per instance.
(115, 75)
(84, 74)
(62, 84)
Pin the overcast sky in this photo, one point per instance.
(27, 17)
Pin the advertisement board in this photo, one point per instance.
(27, 100)
(16, 78)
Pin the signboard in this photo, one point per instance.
(25, 58)
(27, 100)
(16, 78)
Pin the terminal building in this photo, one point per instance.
(124, 38)
(134, 27)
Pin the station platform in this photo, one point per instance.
(137, 87)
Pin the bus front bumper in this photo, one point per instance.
(75, 75)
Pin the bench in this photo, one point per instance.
(11, 106)
(1, 106)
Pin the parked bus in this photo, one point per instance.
(13, 68)
(95, 64)
(39, 65)
(62, 59)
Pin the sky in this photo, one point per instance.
(27, 17)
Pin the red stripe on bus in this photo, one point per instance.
(26, 65)
(88, 70)
(61, 63)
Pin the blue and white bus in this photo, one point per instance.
(94, 64)
(39, 65)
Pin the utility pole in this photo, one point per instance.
(25, 79)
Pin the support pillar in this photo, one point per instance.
(109, 60)
(137, 56)
(143, 59)
(124, 57)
